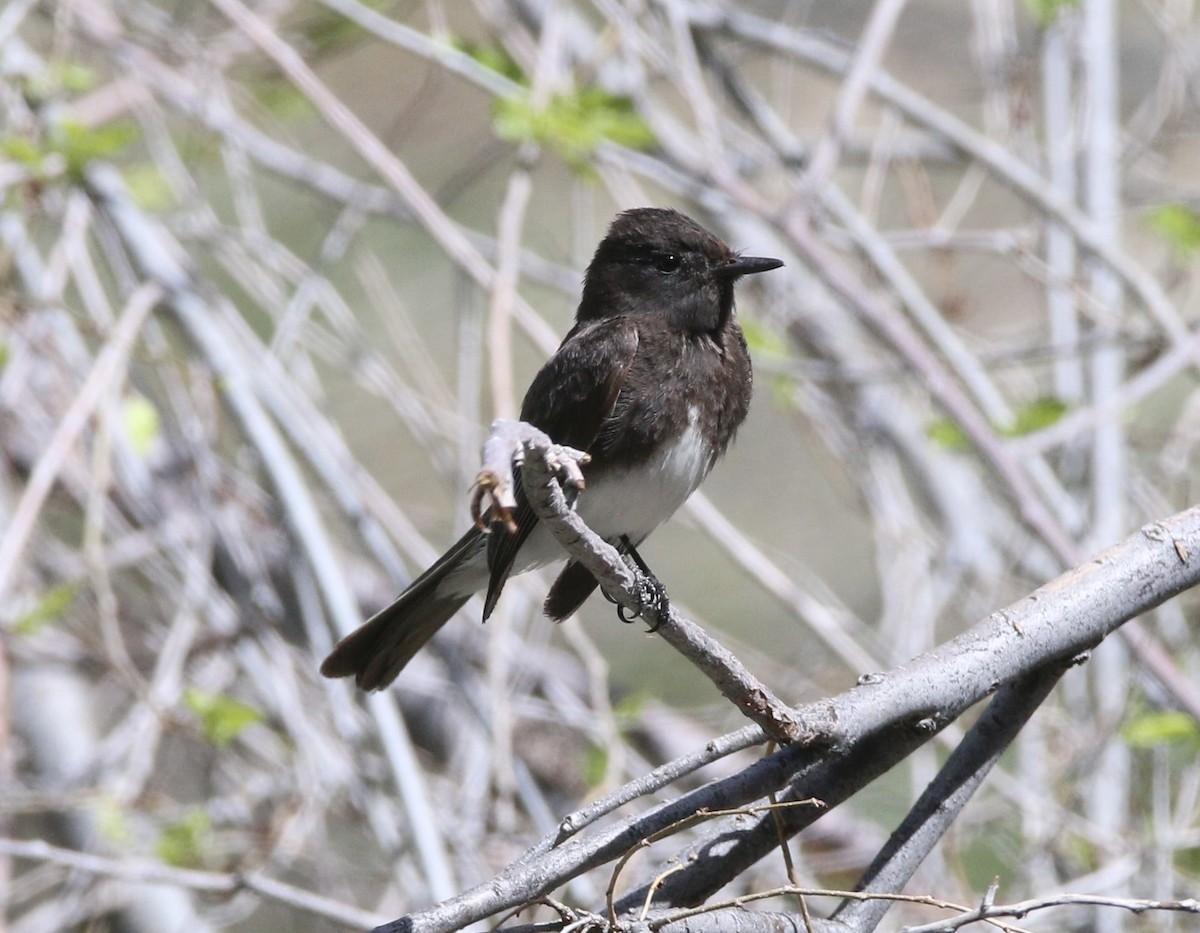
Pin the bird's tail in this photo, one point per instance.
(377, 651)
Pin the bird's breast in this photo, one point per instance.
(635, 498)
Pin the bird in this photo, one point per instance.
(652, 382)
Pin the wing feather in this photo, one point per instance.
(571, 399)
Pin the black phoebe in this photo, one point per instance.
(652, 381)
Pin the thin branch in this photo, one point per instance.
(160, 260)
(1020, 909)
(946, 796)
(108, 369)
(542, 462)
(998, 159)
(143, 871)
(619, 582)
(1060, 621)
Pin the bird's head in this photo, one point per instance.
(659, 262)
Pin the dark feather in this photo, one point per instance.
(377, 651)
(571, 399)
(573, 586)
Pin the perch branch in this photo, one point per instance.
(542, 463)
(876, 723)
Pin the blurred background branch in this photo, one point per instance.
(269, 266)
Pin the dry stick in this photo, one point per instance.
(1057, 622)
(731, 915)
(342, 119)
(998, 455)
(320, 177)
(878, 722)
(897, 332)
(1030, 508)
(865, 63)
(942, 801)
(660, 777)
(618, 581)
(543, 461)
(932, 323)
(159, 258)
(144, 871)
(1000, 161)
(1018, 910)
(694, 819)
(509, 225)
(109, 366)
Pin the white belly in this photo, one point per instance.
(632, 502)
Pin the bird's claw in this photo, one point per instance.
(652, 595)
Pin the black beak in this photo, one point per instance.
(746, 265)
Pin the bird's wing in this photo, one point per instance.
(570, 399)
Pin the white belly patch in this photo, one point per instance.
(632, 501)
(635, 501)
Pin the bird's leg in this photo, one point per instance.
(652, 594)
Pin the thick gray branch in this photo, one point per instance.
(875, 724)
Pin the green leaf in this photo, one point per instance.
(75, 77)
(285, 102)
(148, 187)
(325, 30)
(949, 436)
(1179, 226)
(141, 421)
(81, 144)
(1046, 12)
(5, 353)
(628, 710)
(1188, 860)
(1039, 414)
(596, 765)
(50, 606)
(764, 340)
(572, 125)
(222, 717)
(22, 149)
(112, 821)
(186, 844)
(783, 390)
(1149, 730)
(493, 58)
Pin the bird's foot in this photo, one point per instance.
(652, 595)
(493, 497)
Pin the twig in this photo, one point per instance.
(865, 63)
(1073, 613)
(378, 156)
(624, 585)
(160, 260)
(142, 871)
(943, 800)
(109, 366)
(542, 462)
(1188, 905)
(994, 156)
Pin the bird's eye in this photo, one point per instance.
(666, 262)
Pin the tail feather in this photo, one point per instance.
(573, 586)
(376, 652)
